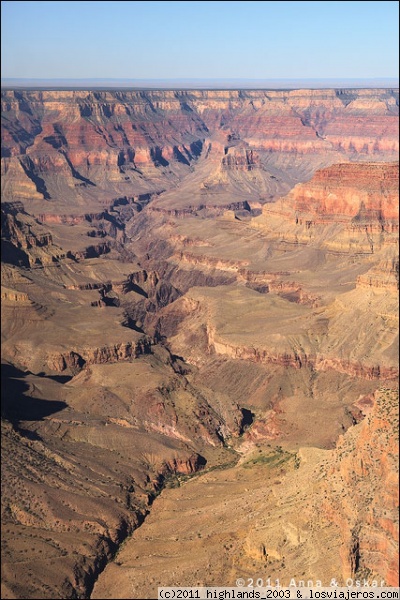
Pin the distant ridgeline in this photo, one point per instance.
(109, 83)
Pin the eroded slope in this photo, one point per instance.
(161, 315)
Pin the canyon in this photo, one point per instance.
(199, 319)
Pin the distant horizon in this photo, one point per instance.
(228, 83)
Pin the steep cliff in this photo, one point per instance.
(350, 207)
(190, 278)
(83, 147)
(303, 518)
(362, 495)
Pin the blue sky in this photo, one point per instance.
(199, 39)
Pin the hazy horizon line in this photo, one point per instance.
(199, 82)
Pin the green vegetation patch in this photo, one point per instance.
(274, 458)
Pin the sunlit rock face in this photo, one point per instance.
(198, 281)
(61, 145)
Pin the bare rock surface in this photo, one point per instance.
(199, 320)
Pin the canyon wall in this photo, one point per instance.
(66, 146)
(190, 277)
(362, 492)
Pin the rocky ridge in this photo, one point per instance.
(187, 278)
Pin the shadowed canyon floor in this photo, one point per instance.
(199, 320)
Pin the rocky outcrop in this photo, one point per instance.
(346, 208)
(240, 159)
(25, 242)
(360, 193)
(185, 467)
(362, 493)
(70, 219)
(210, 261)
(58, 142)
(12, 296)
(75, 361)
(61, 362)
(385, 275)
(116, 205)
(75, 529)
(237, 323)
(366, 192)
(21, 235)
(210, 210)
(91, 251)
(298, 360)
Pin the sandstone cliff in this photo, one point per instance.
(352, 207)
(67, 146)
(191, 279)
(361, 493)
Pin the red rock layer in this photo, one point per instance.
(82, 136)
(364, 191)
(364, 494)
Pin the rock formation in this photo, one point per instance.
(363, 496)
(198, 282)
(304, 517)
